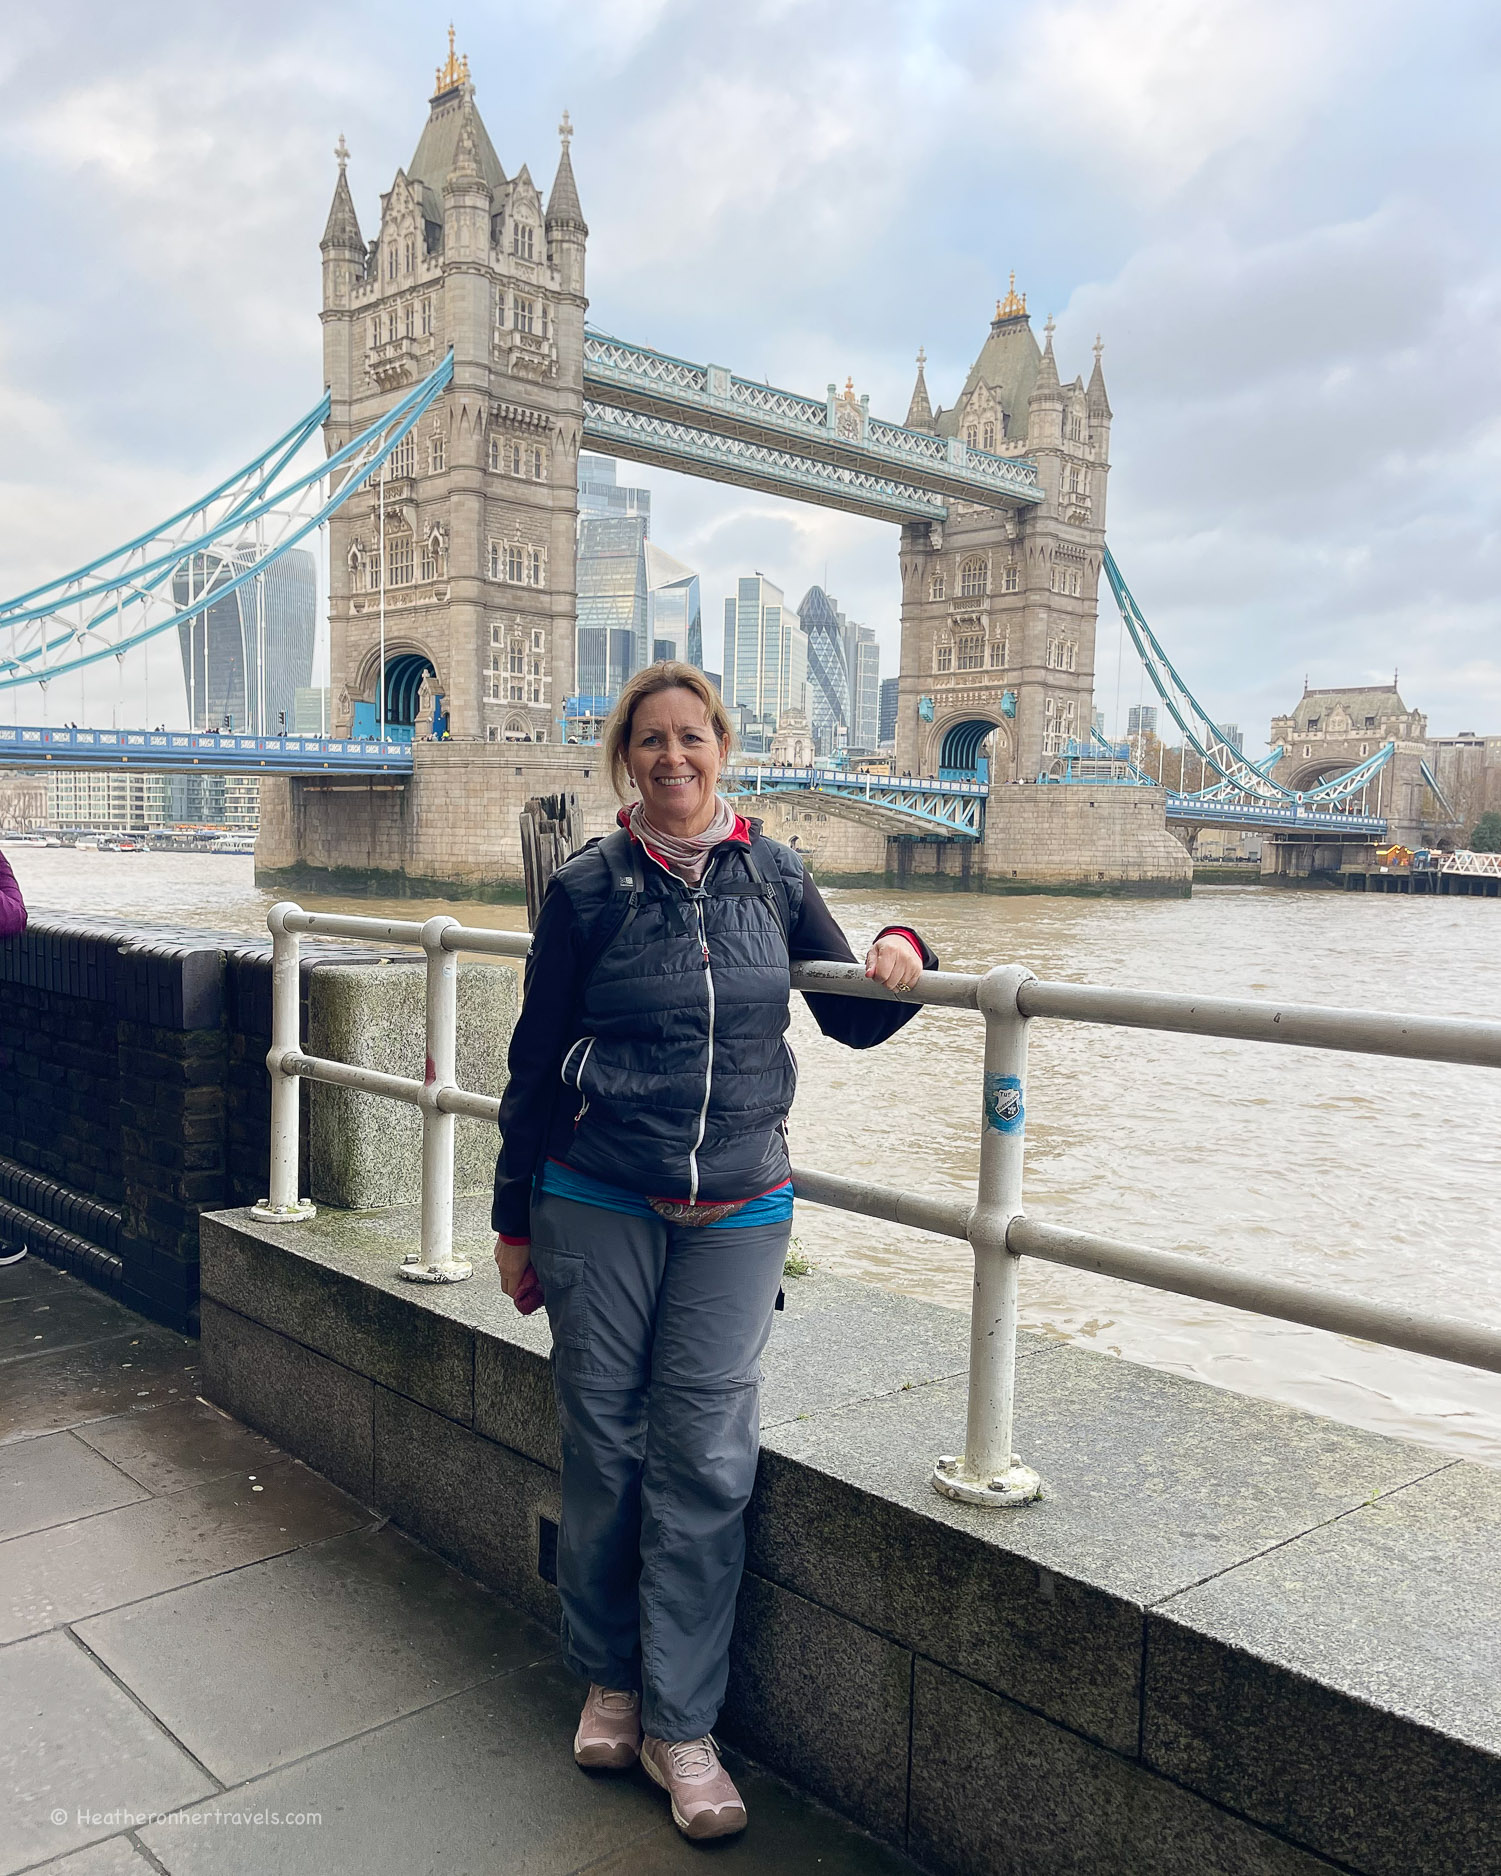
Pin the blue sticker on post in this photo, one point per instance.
(1003, 1103)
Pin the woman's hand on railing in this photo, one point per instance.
(893, 961)
(513, 1259)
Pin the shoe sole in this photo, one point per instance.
(709, 1824)
(597, 1756)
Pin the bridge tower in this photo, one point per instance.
(478, 508)
(1333, 729)
(999, 606)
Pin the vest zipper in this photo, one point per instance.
(578, 1080)
(703, 1112)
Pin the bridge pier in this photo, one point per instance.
(452, 828)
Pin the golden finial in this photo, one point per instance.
(849, 391)
(1014, 304)
(455, 73)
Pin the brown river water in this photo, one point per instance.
(1377, 1178)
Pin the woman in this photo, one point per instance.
(644, 1178)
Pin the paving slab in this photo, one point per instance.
(482, 1782)
(33, 1276)
(146, 1367)
(71, 1743)
(117, 1857)
(1346, 1688)
(56, 1478)
(171, 1448)
(60, 1316)
(80, 1569)
(266, 1664)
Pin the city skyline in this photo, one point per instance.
(1277, 220)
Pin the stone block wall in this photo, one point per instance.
(114, 1099)
(1073, 838)
(134, 1094)
(455, 826)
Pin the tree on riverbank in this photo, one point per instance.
(1486, 836)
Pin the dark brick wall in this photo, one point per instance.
(133, 1097)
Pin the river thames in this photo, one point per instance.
(1373, 1177)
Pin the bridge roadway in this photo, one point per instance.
(892, 804)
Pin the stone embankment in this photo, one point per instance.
(453, 829)
(1232, 1640)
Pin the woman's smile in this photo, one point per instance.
(675, 759)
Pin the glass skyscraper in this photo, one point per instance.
(676, 625)
(245, 656)
(765, 659)
(890, 697)
(844, 676)
(635, 603)
(612, 605)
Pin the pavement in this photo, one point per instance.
(214, 1661)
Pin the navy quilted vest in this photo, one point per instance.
(681, 1076)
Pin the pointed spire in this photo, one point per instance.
(1097, 402)
(920, 411)
(1047, 384)
(563, 207)
(342, 230)
(466, 154)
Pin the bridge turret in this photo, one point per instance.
(919, 409)
(1098, 411)
(567, 231)
(1045, 405)
(343, 251)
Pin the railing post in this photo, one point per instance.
(282, 1205)
(989, 1473)
(436, 1262)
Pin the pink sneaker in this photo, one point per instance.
(705, 1802)
(609, 1734)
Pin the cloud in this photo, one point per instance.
(1277, 215)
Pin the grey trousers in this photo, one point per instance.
(657, 1337)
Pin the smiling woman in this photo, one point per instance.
(644, 1194)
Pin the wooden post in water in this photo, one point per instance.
(552, 829)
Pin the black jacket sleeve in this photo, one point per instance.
(544, 1029)
(861, 1022)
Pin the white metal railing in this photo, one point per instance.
(1009, 998)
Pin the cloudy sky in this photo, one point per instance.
(1282, 218)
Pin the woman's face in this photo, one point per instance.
(674, 760)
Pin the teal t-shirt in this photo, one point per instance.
(562, 1182)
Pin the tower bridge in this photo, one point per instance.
(462, 382)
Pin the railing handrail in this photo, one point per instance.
(1009, 998)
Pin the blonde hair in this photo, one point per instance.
(666, 674)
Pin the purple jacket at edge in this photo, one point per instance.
(12, 905)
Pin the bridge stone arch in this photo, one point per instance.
(1310, 774)
(959, 742)
(411, 683)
